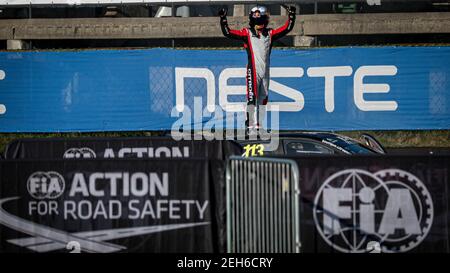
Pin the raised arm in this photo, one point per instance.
(230, 33)
(287, 27)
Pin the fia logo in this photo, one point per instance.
(45, 185)
(75, 153)
(373, 2)
(391, 207)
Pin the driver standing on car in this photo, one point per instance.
(258, 40)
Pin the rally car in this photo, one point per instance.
(311, 143)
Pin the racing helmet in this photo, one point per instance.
(258, 15)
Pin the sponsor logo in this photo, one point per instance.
(250, 85)
(362, 85)
(98, 196)
(45, 185)
(391, 207)
(336, 146)
(129, 152)
(373, 2)
(79, 153)
(227, 91)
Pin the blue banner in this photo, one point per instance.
(362, 88)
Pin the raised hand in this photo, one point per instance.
(290, 9)
(223, 12)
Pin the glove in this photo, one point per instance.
(223, 13)
(292, 10)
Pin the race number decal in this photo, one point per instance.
(253, 150)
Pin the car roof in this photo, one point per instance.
(312, 135)
(318, 136)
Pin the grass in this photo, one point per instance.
(432, 138)
(5, 138)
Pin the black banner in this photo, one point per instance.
(131, 205)
(348, 204)
(388, 203)
(414, 151)
(120, 147)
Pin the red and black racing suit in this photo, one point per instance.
(259, 47)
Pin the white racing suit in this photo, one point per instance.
(259, 47)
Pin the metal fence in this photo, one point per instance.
(262, 206)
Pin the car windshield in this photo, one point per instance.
(347, 144)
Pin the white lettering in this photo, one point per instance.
(203, 73)
(298, 100)
(333, 209)
(163, 186)
(202, 208)
(86, 207)
(92, 183)
(139, 151)
(140, 184)
(115, 206)
(142, 179)
(400, 213)
(70, 208)
(362, 88)
(78, 186)
(297, 104)
(133, 211)
(109, 153)
(124, 151)
(329, 73)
